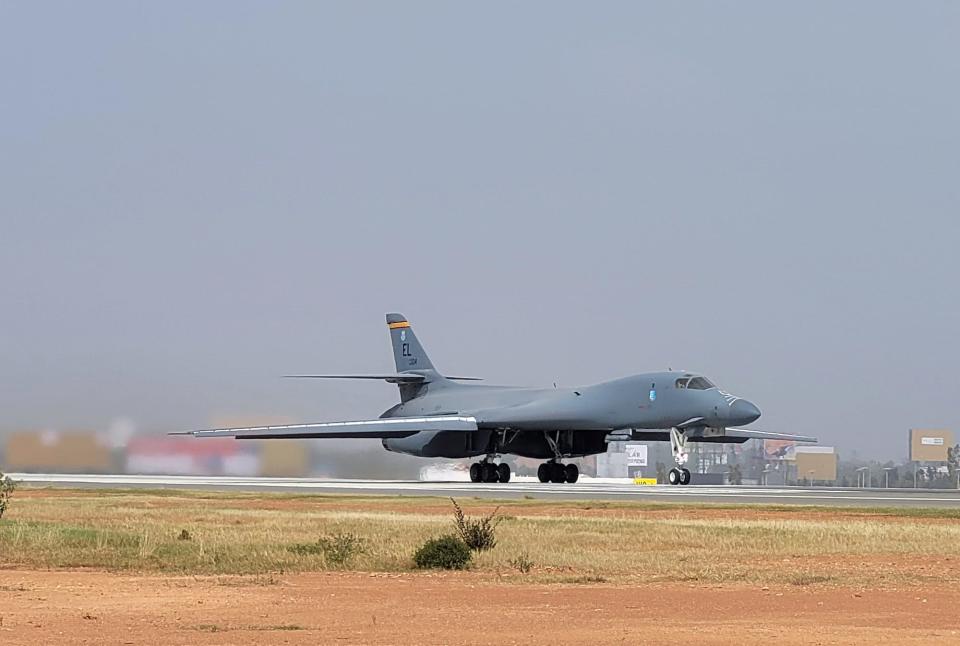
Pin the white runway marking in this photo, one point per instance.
(584, 490)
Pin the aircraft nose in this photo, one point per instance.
(744, 412)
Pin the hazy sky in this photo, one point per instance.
(196, 198)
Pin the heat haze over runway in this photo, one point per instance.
(584, 490)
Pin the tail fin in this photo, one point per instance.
(408, 354)
(407, 351)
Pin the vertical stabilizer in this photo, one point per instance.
(408, 354)
(407, 351)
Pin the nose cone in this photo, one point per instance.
(743, 412)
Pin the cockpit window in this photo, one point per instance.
(700, 383)
(682, 382)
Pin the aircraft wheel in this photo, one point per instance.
(572, 473)
(674, 476)
(684, 476)
(476, 473)
(558, 473)
(543, 472)
(490, 472)
(503, 471)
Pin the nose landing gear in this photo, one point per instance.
(678, 442)
(679, 476)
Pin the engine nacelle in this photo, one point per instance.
(441, 444)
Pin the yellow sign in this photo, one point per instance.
(644, 481)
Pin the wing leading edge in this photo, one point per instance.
(377, 428)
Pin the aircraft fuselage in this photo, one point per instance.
(514, 420)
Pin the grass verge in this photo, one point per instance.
(563, 542)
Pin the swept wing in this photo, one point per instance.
(397, 378)
(375, 428)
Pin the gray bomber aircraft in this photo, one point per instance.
(440, 417)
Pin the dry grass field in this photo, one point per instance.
(223, 534)
(197, 567)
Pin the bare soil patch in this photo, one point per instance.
(92, 607)
(167, 567)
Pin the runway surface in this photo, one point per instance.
(521, 488)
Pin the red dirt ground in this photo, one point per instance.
(92, 607)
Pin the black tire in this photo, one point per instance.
(684, 476)
(557, 473)
(572, 473)
(490, 472)
(543, 473)
(475, 472)
(503, 471)
(673, 477)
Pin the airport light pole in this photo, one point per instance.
(886, 476)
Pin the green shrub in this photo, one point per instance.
(447, 553)
(477, 534)
(7, 487)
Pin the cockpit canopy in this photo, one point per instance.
(694, 383)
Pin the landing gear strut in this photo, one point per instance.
(678, 442)
(488, 471)
(554, 470)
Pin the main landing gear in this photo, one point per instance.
(678, 442)
(555, 472)
(487, 471)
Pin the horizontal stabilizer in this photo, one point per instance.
(750, 434)
(376, 428)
